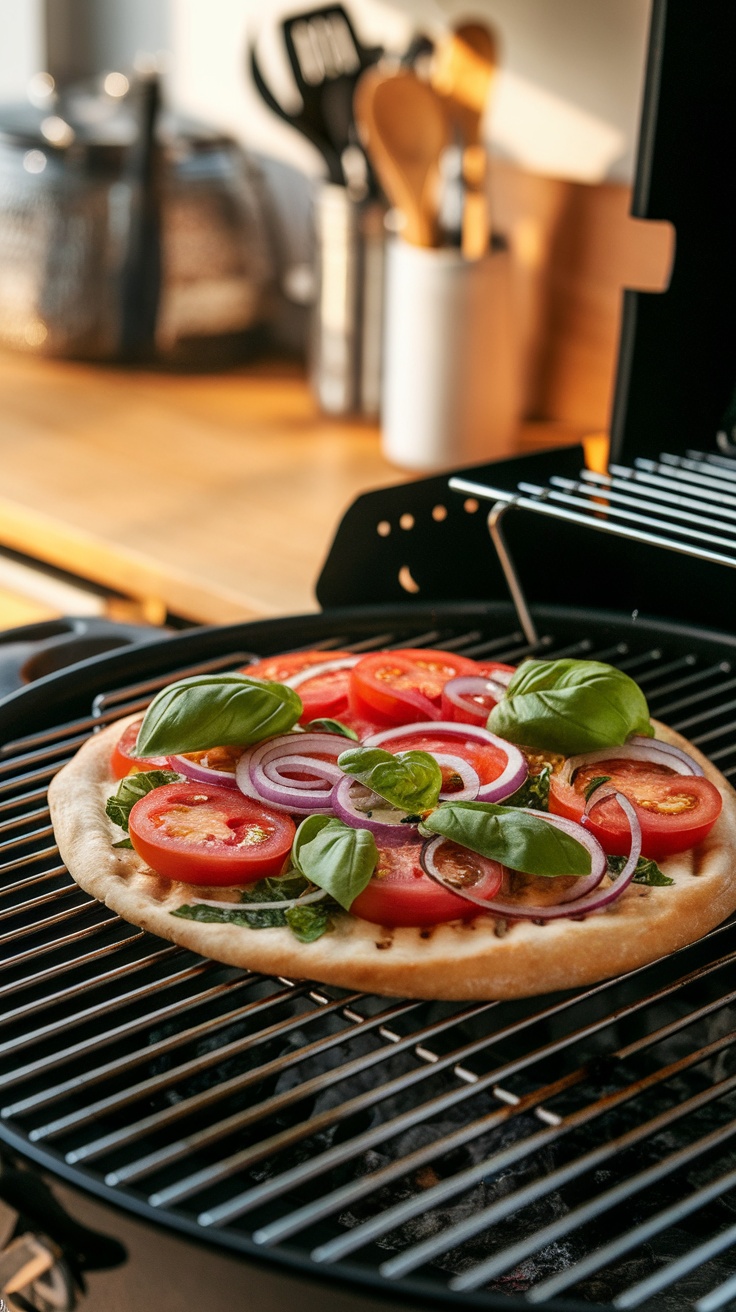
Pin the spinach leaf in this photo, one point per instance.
(518, 840)
(570, 706)
(306, 923)
(534, 791)
(331, 726)
(647, 872)
(334, 856)
(411, 781)
(216, 710)
(131, 789)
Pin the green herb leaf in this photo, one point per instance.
(411, 781)
(307, 923)
(647, 872)
(216, 710)
(518, 840)
(124, 842)
(132, 788)
(331, 726)
(570, 706)
(334, 856)
(596, 783)
(534, 791)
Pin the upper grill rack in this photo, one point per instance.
(463, 1154)
(686, 504)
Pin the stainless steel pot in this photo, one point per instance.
(127, 233)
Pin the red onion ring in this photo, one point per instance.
(637, 749)
(391, 832)
(326, 667)
(202, 774)
(669, 750)
(586, 904)
(302, 901)
(469, 776)
(512, 776)
(315, 771)
(474, 685)
(292, 796)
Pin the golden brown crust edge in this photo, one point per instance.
(457, 961)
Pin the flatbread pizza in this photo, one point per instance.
(479, 955)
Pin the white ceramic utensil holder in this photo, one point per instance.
(450, 364)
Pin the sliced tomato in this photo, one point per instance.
(397, 687)
(401, 894)
(487, 760)
(124, 759)
(325, 696)
(485, 702)
(675, 811)
(207, 834)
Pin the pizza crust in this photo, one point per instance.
(463, 960)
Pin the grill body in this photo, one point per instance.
(565, 1149)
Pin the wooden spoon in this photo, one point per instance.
(462, 72)
(405, 128)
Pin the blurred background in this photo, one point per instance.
(187, 190)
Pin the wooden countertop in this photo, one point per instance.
(215, 497)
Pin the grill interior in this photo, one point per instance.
(572, 1149)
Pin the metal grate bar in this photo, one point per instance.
(66, 967)
(367, 1184)
(162, 1046)
(33, 953)
(158, 1082)
(38, 755)
(661, 477)
(613, 482)
(27, 1009)
(17, 822)
(12, 934)
(33, 777)
(686, 477)
(20, 862)
(42, 900)
(611, 1197)
(30, 882)
(273, 1187)
(110, 1035)
(676, 1270)
(716, 1299)
(463, 1180)
(600, 493)
(700, 695)
(275, 1067)
(645, 1230)
(37, 795)
(13, 844)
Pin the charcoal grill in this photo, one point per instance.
(253, 1141)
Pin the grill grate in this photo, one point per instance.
(576, 1147)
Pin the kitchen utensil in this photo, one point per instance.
(300, 120)
(327, 58)
(462, 71)
(405, 128)
(451, 387)
(97, 192)
(346, 331)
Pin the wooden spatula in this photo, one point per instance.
(405, 128)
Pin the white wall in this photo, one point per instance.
(566, 102)
(21, 49)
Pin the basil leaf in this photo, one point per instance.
(596, 783)
(124, 842)
(570, 706)
(647, 872)
(334, 856)
(331, 726)
(534, 791)
(518, 840)
(132, 788)
(411, 781)
(216, 710)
